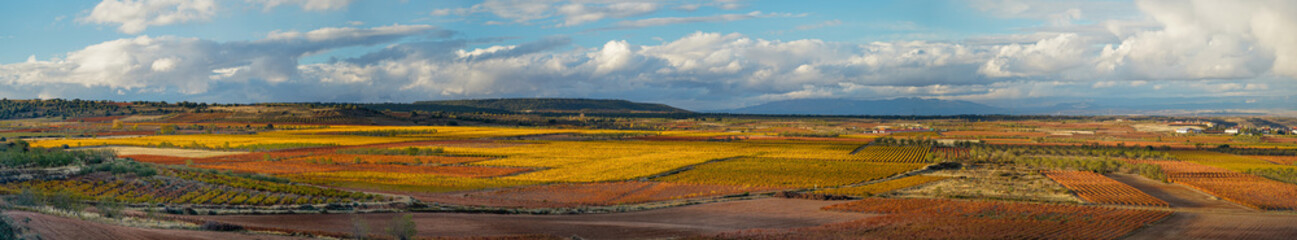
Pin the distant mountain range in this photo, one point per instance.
(561, 105)
(1116, 106)
(899, 106)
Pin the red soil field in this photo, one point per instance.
(125, 133)
(197, 117)
(96, 119)
(673, 222)
(348, 158)
(952, 219)
(54, 227)
(292, 167)
(1213, 225)
(588, 194)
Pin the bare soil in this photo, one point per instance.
(1213, 225)
(660, 223)
(1201, 216)
(55, 227)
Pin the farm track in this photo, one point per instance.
(1198, 215)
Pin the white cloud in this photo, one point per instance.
(308, 5)
(1048, 56)
(649, 22)
(136, 16)
(567, 13)
(1202, 48)
(190, 65)
(1208, 40)
(578, 13)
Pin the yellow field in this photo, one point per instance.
(1226, 161)
(223, 141)
(592, 161)
(327, 135)
(600, 160)
(896, 154)
(882, 187)
(792, 173)
(556, 161)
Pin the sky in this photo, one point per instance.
(698, 55)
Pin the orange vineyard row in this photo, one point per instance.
(1099, 189)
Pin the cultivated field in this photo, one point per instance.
(172, 174)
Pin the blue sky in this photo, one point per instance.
(707, 54)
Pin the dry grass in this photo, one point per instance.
(992, 184)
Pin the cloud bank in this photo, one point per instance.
(1198, 48)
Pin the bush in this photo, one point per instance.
(111, 208)
(19, 156)
(124, 167)
(402, 227)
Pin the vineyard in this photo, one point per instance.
(788, 173)
(403, 182)
(1248, 190)
(950, 152)
(592, 194)
(185, 187)
(952, 219)
(883, 187)
(893, 154)
(1099, 189)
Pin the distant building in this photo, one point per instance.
(1231, 131)
(1188, 130)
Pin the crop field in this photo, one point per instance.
(950, 152)
(772, 177)
(592, 194)
(883, 187)
(1248, 190)
(789, 173)
(402, 182)
(330, 135)
(385, 159)
(951, 219)
(190, 188)
(294, 167)
(893, 154)
(1281, 160)
(1100, 189)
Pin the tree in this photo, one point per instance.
(167, 129)
(402, 227)
(117, 124)
(359, 229)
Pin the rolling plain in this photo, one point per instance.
(223, 172)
